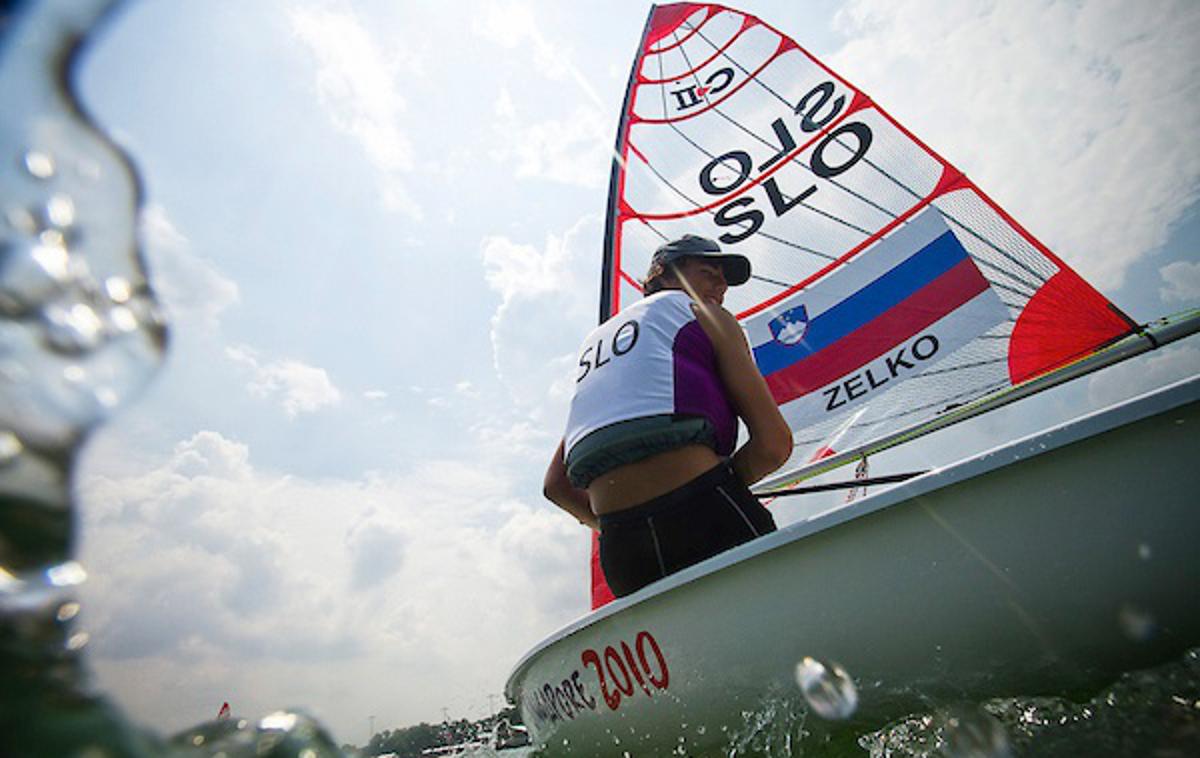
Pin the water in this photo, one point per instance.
(81, 333)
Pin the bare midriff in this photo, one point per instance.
(636, 483)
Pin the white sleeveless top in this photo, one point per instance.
(651, 359)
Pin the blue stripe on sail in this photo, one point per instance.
(868, 303)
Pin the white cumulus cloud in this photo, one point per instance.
(299, 387)
(1078, 118)
(192, 290)
(1182, 282)
(261, 581)
(548, 303)
(359, 85)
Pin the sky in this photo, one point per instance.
(376, 229)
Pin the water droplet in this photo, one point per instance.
(77, 641)
(975, 733)
(1137, 623)
(118, 289)
(279, 721)
(72, 329)
(122, 319)
(197, 739)
(1144, 551)
(829, 690)
(60, 211)
(10, 448)
(69, 574)
(39, 164)
(31, 272)
(67, 611)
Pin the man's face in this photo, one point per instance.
(707, 279)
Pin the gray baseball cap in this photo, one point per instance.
(736, 267)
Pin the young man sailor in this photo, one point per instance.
(648, 456)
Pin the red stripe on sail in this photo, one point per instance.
(926, 306)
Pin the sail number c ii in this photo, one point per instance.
(728, 172)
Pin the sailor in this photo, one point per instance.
(648, 455)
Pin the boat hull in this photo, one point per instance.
(1046, 566)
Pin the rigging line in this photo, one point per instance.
(1007, 255)
(784, 100)
(872, 481)
(682, 194)
(650, 226)
(1009, 288)
(959, 367)
(878, 168)
(768, 280)
(1033, 288)
(795, 159)
(787, 243)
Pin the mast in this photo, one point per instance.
(608, 271)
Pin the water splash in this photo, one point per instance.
(827, 688)
(73, 348)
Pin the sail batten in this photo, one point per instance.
(888, 292)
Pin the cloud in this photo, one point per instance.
(359, 85)
(574, 150)
(548, 303)
(300, 388)
(192, 290)
(1182, 281)
(514, 26)
(1078, 118)
(255, 582)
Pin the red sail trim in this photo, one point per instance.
(1064, 321)
(875, 338)
(708, 60)
(780, 50)
(822, 452)
(665, 19)
(601, 593)
(758, 180)
(632, 282)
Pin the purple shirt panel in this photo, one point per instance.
(698, 387)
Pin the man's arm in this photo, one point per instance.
(558, 489)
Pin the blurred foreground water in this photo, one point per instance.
(81, 333)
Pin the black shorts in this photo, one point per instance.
(706, 516)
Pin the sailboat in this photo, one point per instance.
(891, 298)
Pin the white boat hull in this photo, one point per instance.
(1046, 566)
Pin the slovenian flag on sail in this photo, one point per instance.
(881, 319)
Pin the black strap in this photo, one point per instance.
(889, 479)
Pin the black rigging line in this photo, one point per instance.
(784, 100)
(682, 194)
(794, 159)
(995, 267)
(1008, 288)
(1007, 255)
(875, 166)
